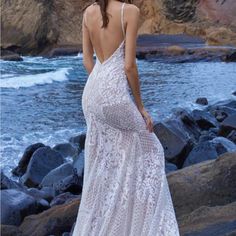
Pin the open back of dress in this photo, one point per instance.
(125, 189)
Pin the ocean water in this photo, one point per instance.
(41, 98)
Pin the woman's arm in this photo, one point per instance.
(88, 61)
(132, 19)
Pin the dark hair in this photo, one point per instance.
(103, 7)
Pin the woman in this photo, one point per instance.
(125, 190)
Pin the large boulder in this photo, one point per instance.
(175, 140)
(228, 125)
(56, 175)
(212, 221)
(15, 205)
(209, 183)
(25, 159)
(53, 221)
(209, 150)
(66, 149)
(42, 162)
(7, 183)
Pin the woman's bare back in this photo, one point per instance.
(105, 40)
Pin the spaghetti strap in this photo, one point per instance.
(122, 18)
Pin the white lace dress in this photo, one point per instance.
(125, 190)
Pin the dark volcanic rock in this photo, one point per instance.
(42, 162)
(24, 161)
(169, 167)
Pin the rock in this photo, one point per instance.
(209, 183)
(79, 140)
(207, 136)
(175, 141)
(202, 101)
(222, 112)
(204, 119)
(78, 163)
(169, 167)
(209, 150)
(25, 159)
(234, 93)
(10, 230)
(228, 125)
(66, 149)
(64, 198)
(63, 51)
(56, 175)
(53, 221)
(42, 162)
(8, 55)
(231, 57)
(232, 136)
(220, 35)
(189, 124)
(175, 50)
(72, 184)
(7, 183)
(46, 193)
(217, 220)
(15, 205)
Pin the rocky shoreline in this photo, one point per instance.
(200, 151)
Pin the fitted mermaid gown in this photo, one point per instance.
(125, 189)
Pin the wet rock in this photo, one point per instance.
(204, 119)
(64, 198)
(202, 101)
(25, 159)
(222, 112)
(56, 175)
(216, 220)
(15, 205)
(42, 162)
(66, 149)
(53, 221)
(209, 183)
(228, 125)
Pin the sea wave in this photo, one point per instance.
(32, 80)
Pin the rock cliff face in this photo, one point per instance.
(33, 26)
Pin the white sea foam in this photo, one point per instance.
(32, 80)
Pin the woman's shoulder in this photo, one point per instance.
(131, 8)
